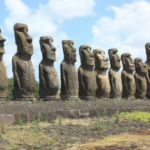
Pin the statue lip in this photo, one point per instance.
(132, 65)
(53, 50)
(1, 44)
(105, 60)
(92, 56)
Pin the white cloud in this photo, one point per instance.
(128, 30)
(45, 20)
(67, 9)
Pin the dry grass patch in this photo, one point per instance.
(65, 121)
(17, 136)
(141, 138)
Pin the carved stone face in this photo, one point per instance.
(127, 61)
(1, 56)
(47, 48)
(2, 51)
(69, 51)
(147, 47)
(87, 57)
(23, 39)
(140, 66)
(101, 61)
(114, 58)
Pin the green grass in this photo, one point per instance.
(135, 115)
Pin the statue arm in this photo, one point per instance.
(137, 85)
(16, 78)
(63, 78)
(42, 80)
(124, 82)
(147, 77)
(81, 84)
(111, 79)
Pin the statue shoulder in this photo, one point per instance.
(110, 71)
(15, 57)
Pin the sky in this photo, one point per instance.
(123, 24)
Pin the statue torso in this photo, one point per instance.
(141, 83)
(3, 79)
(25, 73)
(89, 81)
(116, 82)
(68, 71)
(51, 80)
(128, 82)
(103, 85)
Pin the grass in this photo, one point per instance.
(60, 120)
(120, 140)
(135, 115)
(29, 134)
(19, 121)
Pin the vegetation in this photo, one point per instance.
(19, 121)
(60, 120)
(135, 115)
(11, 86)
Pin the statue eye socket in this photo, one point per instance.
(20, 30)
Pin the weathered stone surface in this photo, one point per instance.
(3, 72)
(86, 75)
(68, 72)
(24, 79)
(114, 76)
(147, 47)
(101, 66)
(49, 82)
(128, 81)
(7, 119)
(140, 78)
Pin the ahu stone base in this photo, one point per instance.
(50, 110)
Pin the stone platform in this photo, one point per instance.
(50, 110)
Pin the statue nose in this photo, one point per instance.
(29, 39)
(2, 40)
(54, 49)
(106, 59)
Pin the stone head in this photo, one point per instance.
(69, 51)
(127, 61)
(86, 56)
(23, 39)
(101, 61)
(114, 58)
(2, 50)
(140, 67)
(47, 48)
(147, 48)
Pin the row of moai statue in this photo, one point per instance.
(93, 81)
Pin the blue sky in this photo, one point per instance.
(123, 24)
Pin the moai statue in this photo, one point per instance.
(68, 72)
(147, 47)
(24, 79)
(86, 75)
(114, 76)
(128, 81)
(49, 82)
(140, 78)
(101, 66)
(3, 72)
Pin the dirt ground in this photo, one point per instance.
(105, 133)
